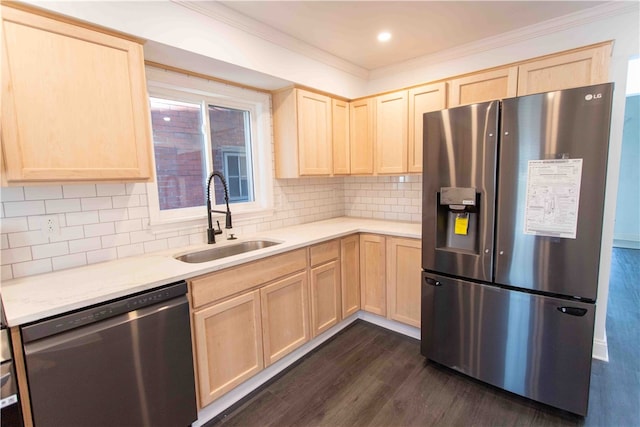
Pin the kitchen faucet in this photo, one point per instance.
(211, 232)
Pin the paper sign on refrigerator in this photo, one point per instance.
(553, 197)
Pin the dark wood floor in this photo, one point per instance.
(369, 376)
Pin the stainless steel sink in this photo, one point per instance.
(225, 251)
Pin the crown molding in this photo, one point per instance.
(225, 15)
(550, 26)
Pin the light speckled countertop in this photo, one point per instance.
(33, 298)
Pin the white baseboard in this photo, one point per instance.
(392, 325)
(626, 243)
(600, 349)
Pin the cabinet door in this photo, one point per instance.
(228, 345)
(350, 274)
(404, 272)
(391, 133)
(372, 274)
(285, 316)
(325, 296)
(79, 112)
(574, 69)
(484, 86)
(422, 100)
(341, 155)
(361, 136)
(314, 133)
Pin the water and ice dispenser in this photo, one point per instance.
(458, 222)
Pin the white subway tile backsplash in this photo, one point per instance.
(68, 233)
(12, 256)
(93, 230)
(4, 241)
(129, 225)
(139, 212)
(113, 240)
(96, 203)
(11, 194)
(107, 215)
(111, 189)
(43, 192)
(69, 261)
(30, 268)
(26, 208)
(82, 218)
(102, 255)
(85, 245)
(136, 188)
(155, 245)
(6, 273)
(141, 236)
(27, 238)
(130, 250)
(13, 225)
(111, 220)
(62, 205)
(177, 242)
(50, 250)
(79, 191)
(38, 222)
(131, 200)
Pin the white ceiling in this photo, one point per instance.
(348, 29)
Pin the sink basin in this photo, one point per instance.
(225, 251)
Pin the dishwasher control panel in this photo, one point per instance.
(103, 311)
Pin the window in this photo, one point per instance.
(200, 126)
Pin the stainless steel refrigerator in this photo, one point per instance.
(513, 198)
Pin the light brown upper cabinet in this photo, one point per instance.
(341, 155)
(483, 86)
(572, 69)
(391, 132)
(422, 100)
(362, 133)
(74, 103)
(302, 125)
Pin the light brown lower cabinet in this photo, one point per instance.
(325, 296)
(228, 344)
(285, 316)
(373, 295)
(350, 274)
(404, 275)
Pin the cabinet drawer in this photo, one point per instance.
(224, 283)
(324, 252)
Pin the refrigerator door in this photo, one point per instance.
(532, 345)
(569, 124)
(458, 196)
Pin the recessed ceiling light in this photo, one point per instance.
(384, 36)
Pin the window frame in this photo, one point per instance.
(185, 88)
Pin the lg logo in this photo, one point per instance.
(590, 96)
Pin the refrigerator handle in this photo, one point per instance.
(432, 282)
(574, 311)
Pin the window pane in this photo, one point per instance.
(231, 144)
(179, 153)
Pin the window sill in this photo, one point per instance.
(200, 222)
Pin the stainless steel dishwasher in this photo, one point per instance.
(126, 362)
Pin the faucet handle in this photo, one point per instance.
(219, 230)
